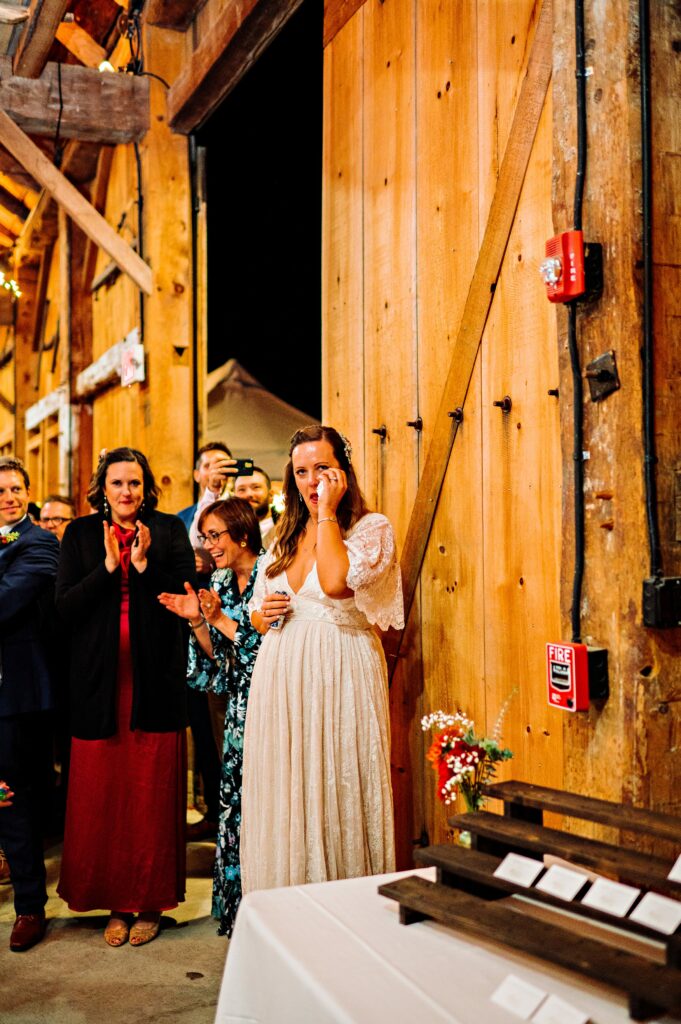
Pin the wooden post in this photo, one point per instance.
(625, 751)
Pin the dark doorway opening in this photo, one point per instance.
(264, 181)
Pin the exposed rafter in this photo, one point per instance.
(175, 14)
(81, 44)
(94, 107)
(13, 169)
(240, 35)
(98, 198)
(27, 196)
(38, 36)
(78, 208)
(13, 205)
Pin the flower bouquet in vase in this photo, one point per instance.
(462, 761)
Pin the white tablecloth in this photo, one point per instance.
(336, 952)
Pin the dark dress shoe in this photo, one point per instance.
(202, 831)
(28, 931)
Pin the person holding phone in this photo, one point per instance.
(317, 801)
(124, 839)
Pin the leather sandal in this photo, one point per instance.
(117, 930)
(145, 929)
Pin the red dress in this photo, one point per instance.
(124, 837)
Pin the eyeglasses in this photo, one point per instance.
(212, 537)
(56, 520)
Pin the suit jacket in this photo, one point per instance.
(89, 601)
(187, 515)
(28, 567)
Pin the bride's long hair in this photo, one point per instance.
(295, 515)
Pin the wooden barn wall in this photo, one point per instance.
(155, 416)
(418, 102)
(629, 749)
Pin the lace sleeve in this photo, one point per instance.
(374, 572)
(260, 585)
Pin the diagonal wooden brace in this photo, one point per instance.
(78, 208)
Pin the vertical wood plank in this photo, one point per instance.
(447, 247)
(342, 241)
(521, 489)
(391, 354)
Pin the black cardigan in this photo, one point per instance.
(89, 599)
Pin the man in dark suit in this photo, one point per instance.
(28, 566)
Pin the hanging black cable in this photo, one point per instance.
(577, 386)
(140, 229)
(649, 457)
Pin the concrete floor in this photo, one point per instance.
(73, 977)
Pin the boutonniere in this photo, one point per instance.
(7, 538)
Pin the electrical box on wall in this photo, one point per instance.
(576, 674)
(662, 602)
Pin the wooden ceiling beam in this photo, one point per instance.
(175, 14)
(27, 196)
(13, 205)
(240, 35)
(6, 240)
(11, 224)
(38, 36)
(13, 169)
(81, 44)
(100, 187)
(96, 107)
(77, 207)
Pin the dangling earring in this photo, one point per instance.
(141, 508)
(300, 498)
(105, 508)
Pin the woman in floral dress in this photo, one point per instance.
(222, 653)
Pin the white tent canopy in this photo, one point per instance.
(252, 421)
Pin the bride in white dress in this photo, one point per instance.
(317, 800)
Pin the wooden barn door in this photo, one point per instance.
(419, 100)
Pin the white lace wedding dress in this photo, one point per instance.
(317, 800)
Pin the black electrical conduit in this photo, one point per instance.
(649, 456)
(577, 386)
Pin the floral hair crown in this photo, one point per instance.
(347, 447)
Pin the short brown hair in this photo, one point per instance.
(211, 446)
(95, 494)
(239, 519)
(9, 463)
(62, 499)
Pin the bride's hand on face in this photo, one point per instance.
(332, 486)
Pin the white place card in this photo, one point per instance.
(612, 897)
(519, 869)
(557, 1011)
(658, 912)
(518, 997)
(675, 873)
(562, 882)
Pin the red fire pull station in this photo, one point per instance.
(563, 268)
(567, 667)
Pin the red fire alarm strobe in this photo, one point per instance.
(567, 671)
(563, 268)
